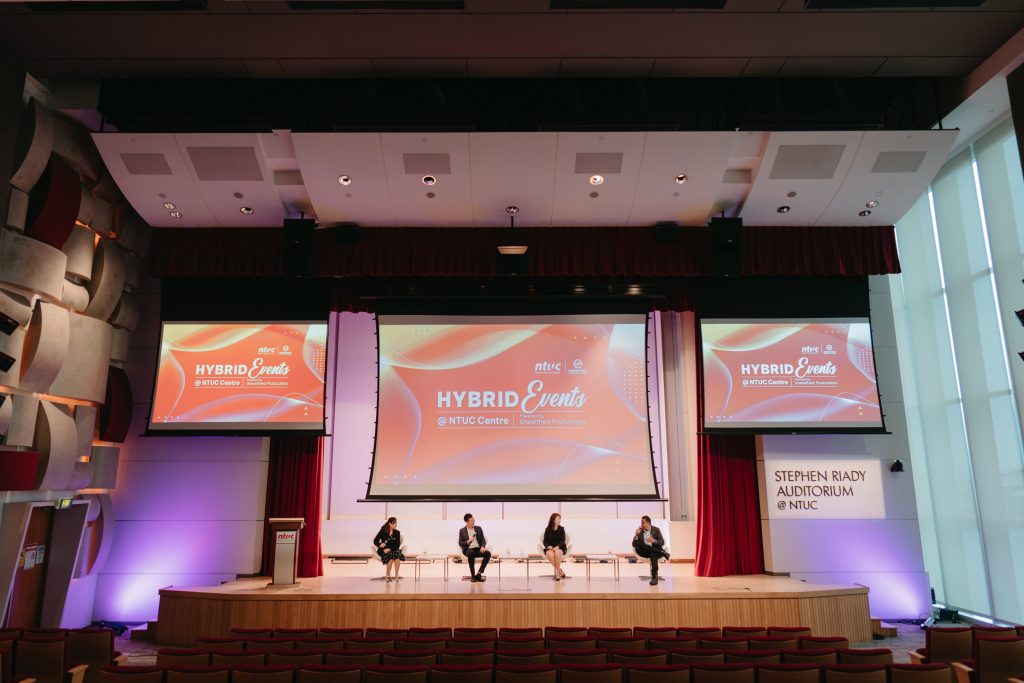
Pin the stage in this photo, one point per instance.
(350, 596)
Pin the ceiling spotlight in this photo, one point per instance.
(168, 205)
(681, 178)
(783, 209)
(175, 214)
(429, 180)
(872, 204)
(511, 210)
(596, 179)
(864, 213)
(246, 210)
(345, 180)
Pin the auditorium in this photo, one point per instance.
(511, 341)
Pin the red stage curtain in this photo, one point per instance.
(728, 513)
(294, 480)
(554, 252)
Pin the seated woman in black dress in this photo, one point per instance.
(554, 544)
(389, 547)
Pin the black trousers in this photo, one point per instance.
(472, 554)
(652, 553)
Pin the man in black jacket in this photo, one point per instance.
(474, 545)
(649, 543)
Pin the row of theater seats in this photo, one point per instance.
(56, 655)
(541, 673)
(167, 657)
(980, 654)
(482, 632)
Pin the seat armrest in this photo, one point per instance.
(916, 657)
(76, 674)
(120, 659)
(962, 672)
(27, 680)
(1015, 680)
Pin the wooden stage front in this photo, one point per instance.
(514, 601)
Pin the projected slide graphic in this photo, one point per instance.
(789, 374)
(513, 407)
(240, 376)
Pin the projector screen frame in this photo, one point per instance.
(655, 498)
(706, 430)
(321, 430)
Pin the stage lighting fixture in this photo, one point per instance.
(864, 213)
(783, 209)
(5, 362)
(429, 180)
(897, 465)
(175, 214)
(511, 210)
(168, 205)
(246, 210)
(596, 179)
(681, 178)
(872, 204)
(7, 324)
(345, 180)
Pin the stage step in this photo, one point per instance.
(883, 630)
(145, 633)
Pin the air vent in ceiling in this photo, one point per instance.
(608, 163)
(806, 162)
(737, 176)
(898, 162)
(321, 5)
(435, 163)
(637, 4)
(888, 4)
(120, 6)
(139, 163)
(225, 163)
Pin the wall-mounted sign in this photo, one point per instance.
(824, 489)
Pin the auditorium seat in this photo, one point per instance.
(346, 633)
(686, 656)
(853, 673)
(12, 633)
(435, 644)
(577, 656)
(392, 633)
(370, 644)
(270, 644)
(879, 655)
(196, 674)
(753, 656)
(42, 657)
(722, 673)
(465, 633)
(93, 647)
(520, 643)
(461, 673)
(433, 632)
(919, 673)
(819, 642)
(464, 643)
(618, 643)
(572, 631)
(485, 656)
(600, 632)
(408, 658)
(590, 673)
(996, 658)
(649, 631)
(656, 642)
(698, 632)
(45, 632)
(773, 643)
(789, 673)
(246, 633)
(362, 657)
(539, 656)
(278, 673)
(329, 673)
(395, 674)
(131, 674)
(792, 631)
(233, 658)
(296, 657)
(744, 631)
(986, 631)
(571, 642)
(650, 673)
(533, 673)
(209, 643)
(820, 656)
(320, 643)
(170, 656)
(295, 633)
(533, 632)
(630, 657)
(723, 643)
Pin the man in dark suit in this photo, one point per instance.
(474, 545)
(649, 543)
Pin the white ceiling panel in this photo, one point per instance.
(577, 202)
(229, 172)
(452, 200)
(892, 168)
(513, 169)
(802, 171)
(324, 157)
(701, 157)
(158, 174)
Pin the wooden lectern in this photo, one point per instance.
(286, 532)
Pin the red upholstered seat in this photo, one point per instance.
(619, 643)
(330, 673)
(788, 673)
(943, 645)
(441, 632)
(461, 673)
(538, 656)
(630, 657)
(370, 644)
(650, 673)
(565, 631)
(819, 656)
(131, 674)
(723, 643)
(362, 657)
(688, 656)
(233, 658)
(795, 631)
(753, 656)
(659, 642)
(818, 643)
(342, 632)
(509, 642)
(533, 631)
(320, 643)
(878, 655)
(393, 633)
(246, 633)
(395, 674)
(481, 656)
(773, 643)
(600, 632)
(698, 632)
(853, 673)
(295, 633)
(744, 631)
(722, 673)
(997, 658)
(919, 673)
(40, 657)
(578, 656)
(270, 644)
(196, 674)
(277, 673)
(409, 658)
(470, 643)
(590, 673)
(435, 644)
(207, 643)
(567, 642)
(534, 673)
(477, 633)
(296, 657)
(648, 631)
(171, 656)
(93, 647)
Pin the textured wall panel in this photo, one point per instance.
(116, 411)
(84, 373)
(13, 345)
(19, 470)
(134, 267)
(75, 297)
(119, 345)
(5, 413)
(133, 233)
(86, 205)
(73, 145)
(17, 209)
(126, 315)
(30, 265)
(107, 280)
(106, 189)
(53, 204)
(36, 138)
(85, 425)
(102, 217)
(79, 247)
(81, 475)
(46, 345)
(15, 306)
(56, 440)
(25, 408)
(104, 467)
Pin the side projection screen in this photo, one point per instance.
(813, 375)
(512, 408)
(240, 377)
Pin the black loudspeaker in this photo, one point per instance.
(666, 232)
(512, 264)
(7, 324)
(726, 246)
(297, 234)
(5, 362)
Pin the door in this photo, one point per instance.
(30, 575)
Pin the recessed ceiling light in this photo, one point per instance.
(865, 212)
(345, 180)
(596, 179)
(175, 214)
(783, 209)
(681, 178)
(168, 205)
(247, 210)
(429, 180)
(511, 210)
(872, 204)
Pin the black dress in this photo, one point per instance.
(393, 549)
(555, 539)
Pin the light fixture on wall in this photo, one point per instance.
(7, 324)
(896, 466)
(5, 362)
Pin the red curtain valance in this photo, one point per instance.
(553, 252)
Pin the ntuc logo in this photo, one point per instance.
(810, 349)
(267, 350)
(546, 367)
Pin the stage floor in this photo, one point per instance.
(354, 595)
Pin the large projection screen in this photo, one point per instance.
(790, 375)
(512, 408)
(234, 377)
